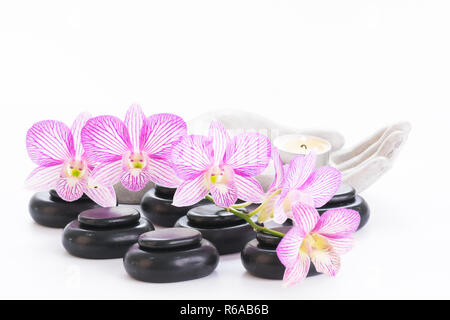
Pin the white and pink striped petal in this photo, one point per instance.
(338, 222)
(191, 156)
(191, 191)
(134, 179)
(107, 174)
(70, 188)
(76, 128)
(134, 121)
(341, 245)
(298, 272)
(104, 196)
(248, 189)
(160, 132)
(305, 217)
(326, 260)
(248, 153)
(289, 247)
(224, 195)
(220, 139)
(162, 173)
(43, 178)
(279, 171)
(49, 143)
(105, 139)
(322, 185)
(299, 170)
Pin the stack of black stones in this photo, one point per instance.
(197, 233)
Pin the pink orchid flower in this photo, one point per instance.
(299, 182)
(316, 239)
(224, 166)
(135, 151)
(63, 164)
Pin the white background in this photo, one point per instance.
(350, 65)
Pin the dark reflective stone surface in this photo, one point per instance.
(171, 264)
(56, 213)
(228, 234)
(157, 206)
(260, 259)
(169, 238)
(102, 242)
(109, 217)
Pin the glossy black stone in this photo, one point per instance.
(109, 217)
(170, 238)
(227, 232)
(170, 264)
(51, 211)
(260, 259)
(103, 237)
(346, 197)
(157, 206)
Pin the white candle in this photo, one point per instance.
(291, 145)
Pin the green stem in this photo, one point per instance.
(248, 219)
(241, 205)
(251, 214)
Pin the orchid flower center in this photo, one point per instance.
(296, 196)
(75, 169)
(313, 243)
(220, 175)
(136, 161)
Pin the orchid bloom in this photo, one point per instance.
(220, 165)
(316, 239)
(299, 182)
(135, 151)
(62, 163)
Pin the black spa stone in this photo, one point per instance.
(260, 259)
(48, 209)
(104, 233)
(226, 231)
(171, 255)
(346, 197)
(157, 206)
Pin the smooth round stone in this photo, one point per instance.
(159, 209)
(109, 217)
(50, 212)
(227, 232)
(125, 196)
(93, 241)
(260, 259)
(164, 192)
(169, 238)
(211, 215)
(172, 263)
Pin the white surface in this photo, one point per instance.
(351, 65)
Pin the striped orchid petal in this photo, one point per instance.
(322, 185)
(70, 189)
(300, 168)
(279, 214)
(107, 174)
(159, 133)
(162, 173)
(289, 247)
(338, 222)
(77, 125)
(298, 272)
(220, 139)
(134, 120)
(43, 178)
(191, 156)
(248, 154)
(105, 139)
(305, 217)
(248, 189)
(279, 171)
(104, 196)
(191, 191)
(341, 245)
(49, 143)
(224, 195)
(267, 210)
(325, 260)
(134, 180)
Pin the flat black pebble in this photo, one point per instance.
(158, 256)
(109, 217)
(47, 211)
(213, 216)
(102, 237)
(169, 238)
